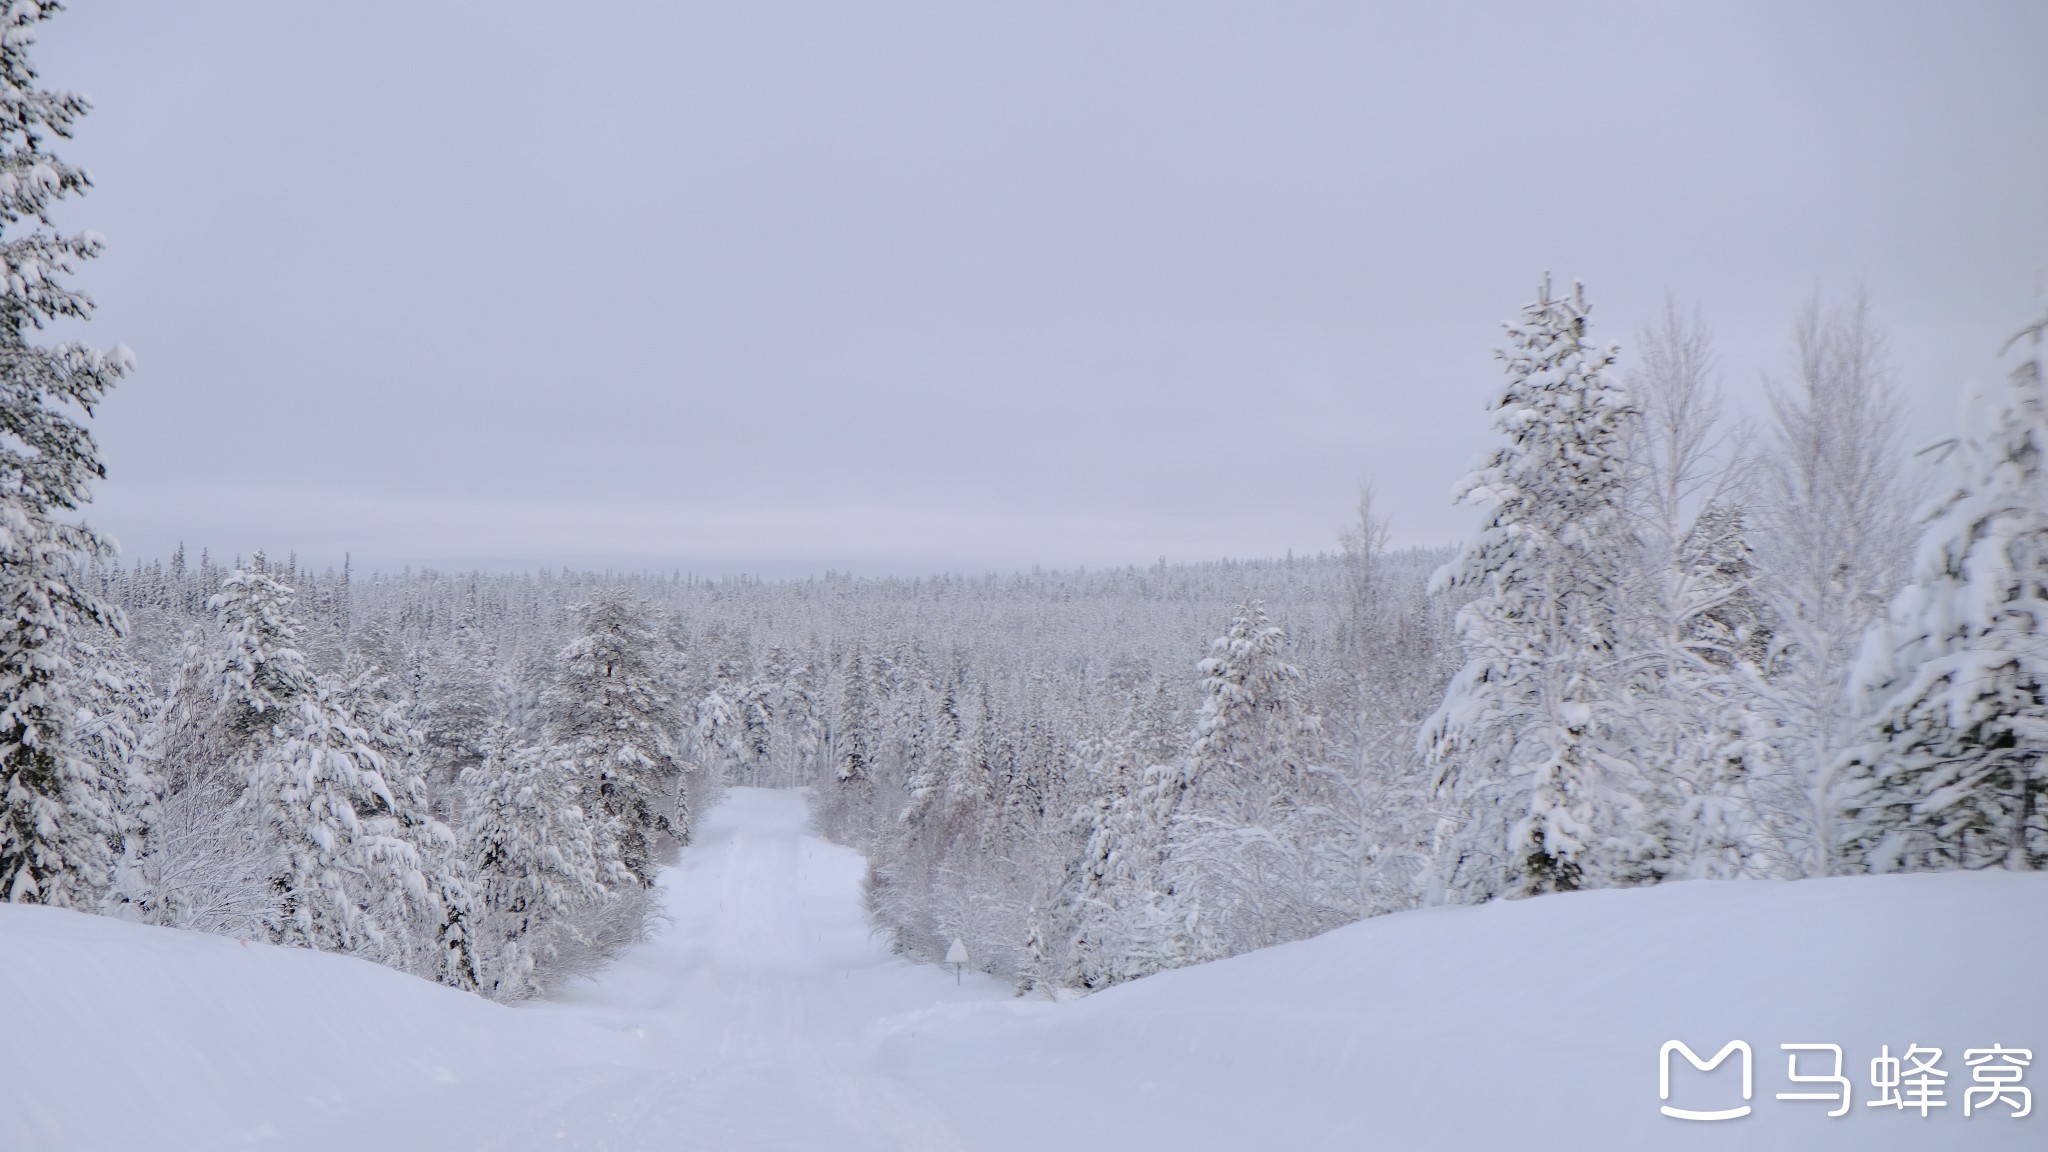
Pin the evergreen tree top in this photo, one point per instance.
(260, 664)
(31, 178)
(47, 458)
(1559, 477)
(1558, 400)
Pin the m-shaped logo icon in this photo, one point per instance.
(1664, 1078)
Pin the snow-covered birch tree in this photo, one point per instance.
(1835, 513)
(1376, 820)
(1695, 621)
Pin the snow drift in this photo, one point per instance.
(1529, 1025)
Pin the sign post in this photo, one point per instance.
(957, 957)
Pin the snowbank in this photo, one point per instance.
(1527, 1025)
(122, 1036)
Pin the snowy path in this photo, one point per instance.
(741, 1024)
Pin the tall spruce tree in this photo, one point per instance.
(55, 833)
(1125, 926)
(1235, 849)
(275, 812)
(203, 865)
(420, 887)
(611, 714)
(1954, 772)
(1526, 745)
(309, 789)
(534, 856)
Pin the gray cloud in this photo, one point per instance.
(903, 287)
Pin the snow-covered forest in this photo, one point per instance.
(1671, 652)
(1684, 643)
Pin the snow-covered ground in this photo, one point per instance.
(767, 1017)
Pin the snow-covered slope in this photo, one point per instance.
(1530, 1025)
(767, 1017)
(124, 1036)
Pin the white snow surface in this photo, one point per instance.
(766, 1015)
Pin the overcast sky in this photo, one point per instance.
(959, 286)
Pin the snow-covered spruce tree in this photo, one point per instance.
(314, 777)
(55, 831)
(795, 727)
(925, 782)
(848, 804)
(115, 725)
(971, 784)
(611, 714)
(715, 739)
(535, 861)
(416, 880)
(205, 864)
(1023, 797)
(1954, 771)
(907, 863)
(717, 744)
(236, 683)
(1125, 928)
(1710, 739)
(853, 725)
(1531, 744)
(1042, 832)
(268, 778)
(307, 792)
(1236, 851)
(455, 710)
(757, 706)
(1726, 623)
(910, 727)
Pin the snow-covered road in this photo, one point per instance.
(740, 1026)
(743, 1024)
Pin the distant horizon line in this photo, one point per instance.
(683, 575)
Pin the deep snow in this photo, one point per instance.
(766, 1016)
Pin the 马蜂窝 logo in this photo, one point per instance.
(1911, 1081)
